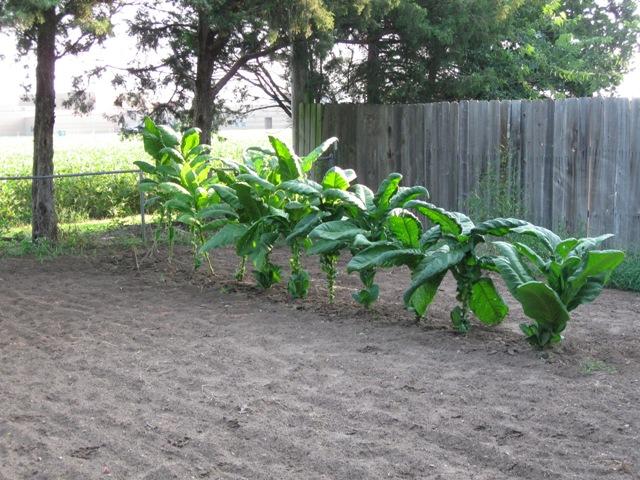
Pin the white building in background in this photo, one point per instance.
(17, 120)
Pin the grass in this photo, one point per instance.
(627, 275)
(75, 238)
(593, 365)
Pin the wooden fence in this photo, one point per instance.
(575, 163)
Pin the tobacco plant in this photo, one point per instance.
(567, 274)
(181, 180)
(269, 198)
(266, 192)
(449, 246)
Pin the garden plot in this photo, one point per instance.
(111, 372)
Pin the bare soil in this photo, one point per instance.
(121, 366)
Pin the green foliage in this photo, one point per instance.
(268, 199)
(429, 50)
(571, 272)
(77, 198)
(627, 275)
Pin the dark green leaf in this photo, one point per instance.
(486, 303)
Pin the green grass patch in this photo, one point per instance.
(627, 275)
(75, 238)
(593, 365)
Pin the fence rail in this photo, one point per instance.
(575, 162)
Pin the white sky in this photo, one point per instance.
(118, 51)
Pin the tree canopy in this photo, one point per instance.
(428, 50)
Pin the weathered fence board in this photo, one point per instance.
(575, 163)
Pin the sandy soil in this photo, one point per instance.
(107, 371)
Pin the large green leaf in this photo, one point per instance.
(449, 223)
(227, 235)
(498, 227)
(600, 262)
(300, 188)
(168, 136)
(511, 269)
(434, 263)
(367, 257)
(549, 239)
(527, 252)
(228, 195)
(288, 162)
(486, 303)
(146, 167)
(387, 189)
(405, 227)
(422, 296)
(379, 256)
(253, 179)
(543, 305)
(337, 230)
(217, 211)
(190, 140)
(175, 191)
(565, 246)
(304, 226)
(336, 178)
(406, 194)
(431, 237)
(248, 242)
(252, 207)
(365, 194)
(587, 293)
(321, 247)
(308, 161)
(589, 243)
(343, 196)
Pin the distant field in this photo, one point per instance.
(94, 197)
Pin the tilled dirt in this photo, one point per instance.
(125, 367)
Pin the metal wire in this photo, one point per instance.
(67, 175)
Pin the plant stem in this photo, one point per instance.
(242, 269)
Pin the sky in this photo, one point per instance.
(118, 51)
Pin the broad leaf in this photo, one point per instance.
(343, 196)
(337, 230)
(406, 194)
(300, 188)
(511, 269)
(434, 263)
(549, 239)
(227, 235)
(447, 221)
(498, 227)
(336, 178)
(422, 296)
(308, 161)
(387, 189)
(543, 305)
(405, 227)
(146, 167)
(288, 162)
(190, 140)
(486, 303)
(365, 195)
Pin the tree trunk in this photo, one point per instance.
(300, 85)
(44, 222)
(373, 74)
(203, 107)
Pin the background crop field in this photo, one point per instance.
(83, 198)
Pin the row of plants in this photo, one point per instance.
(270, 199)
